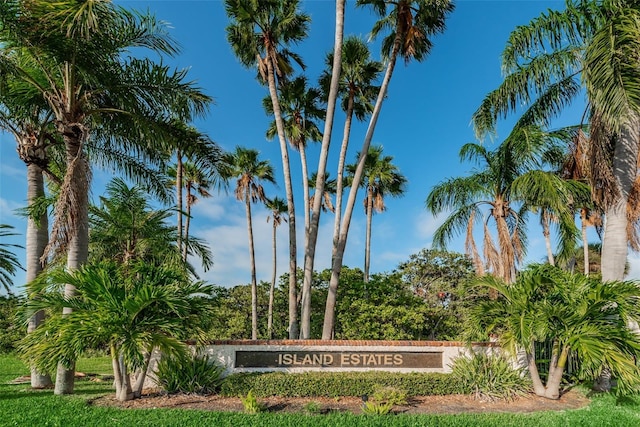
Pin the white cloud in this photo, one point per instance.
(426, 224)
(634, 266)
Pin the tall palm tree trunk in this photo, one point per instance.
(340, 176)
(76, 186)
(286, 170)
(547, 236)
(367, 246)
(37, 240)
(585, 242)
(273, 283)
(252, 259)
(185, 242)
(305, 312)
(310, 249)
(336, 264)
(615, 241)
(179, 173)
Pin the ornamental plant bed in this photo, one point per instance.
(449, 404)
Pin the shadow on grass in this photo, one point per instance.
(20, 392)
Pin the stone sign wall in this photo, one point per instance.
(335, 355)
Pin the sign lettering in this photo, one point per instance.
(347, 359)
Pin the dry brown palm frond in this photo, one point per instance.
(491, 254)
(507, 253)
(72, 197)
(378, 202)
(633, 216)
(471, 249)
(604, 189)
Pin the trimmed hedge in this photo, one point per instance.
(335, 384)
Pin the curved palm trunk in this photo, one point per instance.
(37, 240)
(340, 176)
(286, 171)
(585, 242)
(185, 242)
(544, 219)
(273, 283)
(367, 246)
(336, 264)
(76, 183)
(615, 241)
(179, 173)
(310, 250)
(252, 259)
(305, 313)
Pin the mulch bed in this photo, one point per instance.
(450, 404)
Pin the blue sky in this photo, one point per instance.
(424, 122)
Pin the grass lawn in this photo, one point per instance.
(20, 406)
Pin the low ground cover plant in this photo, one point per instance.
(335, 384)
(189, 374)
(490, 376)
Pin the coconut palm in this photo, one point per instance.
(131, 312)
(411, 24)
(278, 208)
(592, 45)
(80, 51)
(490, 186)
(381, 178)
(250, 171)
(581, 316)
(260, 33)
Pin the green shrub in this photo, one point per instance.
(312, 407)
(490, 376)
(251, 404)
(194, 374)
(376, 408)
(334, 384)
(390, 394)
(11, 328)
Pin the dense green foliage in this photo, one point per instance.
(334, 384)
(490, 376)
(426, 298)
(11, 329)
(188, 374)
(23, 406)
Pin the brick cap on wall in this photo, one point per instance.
(352, 343)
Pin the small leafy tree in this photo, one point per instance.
(130, 313)
(578, 314)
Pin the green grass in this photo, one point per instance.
(20, 406)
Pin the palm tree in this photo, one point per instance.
(329, 190)
(589, 45)
(259, 34)
(332, 96)
(127, 230)
(381, 178)
(411, 23)
(88, 81)
(490, 186)
(132, 313)
(9, 262)
(278, 208)
(358, 93)
(577, 314)
(300, 109)
(244, 164)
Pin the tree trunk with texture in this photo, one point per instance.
(252, 260)
(36, 242)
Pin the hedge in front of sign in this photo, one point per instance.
(335, 384)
